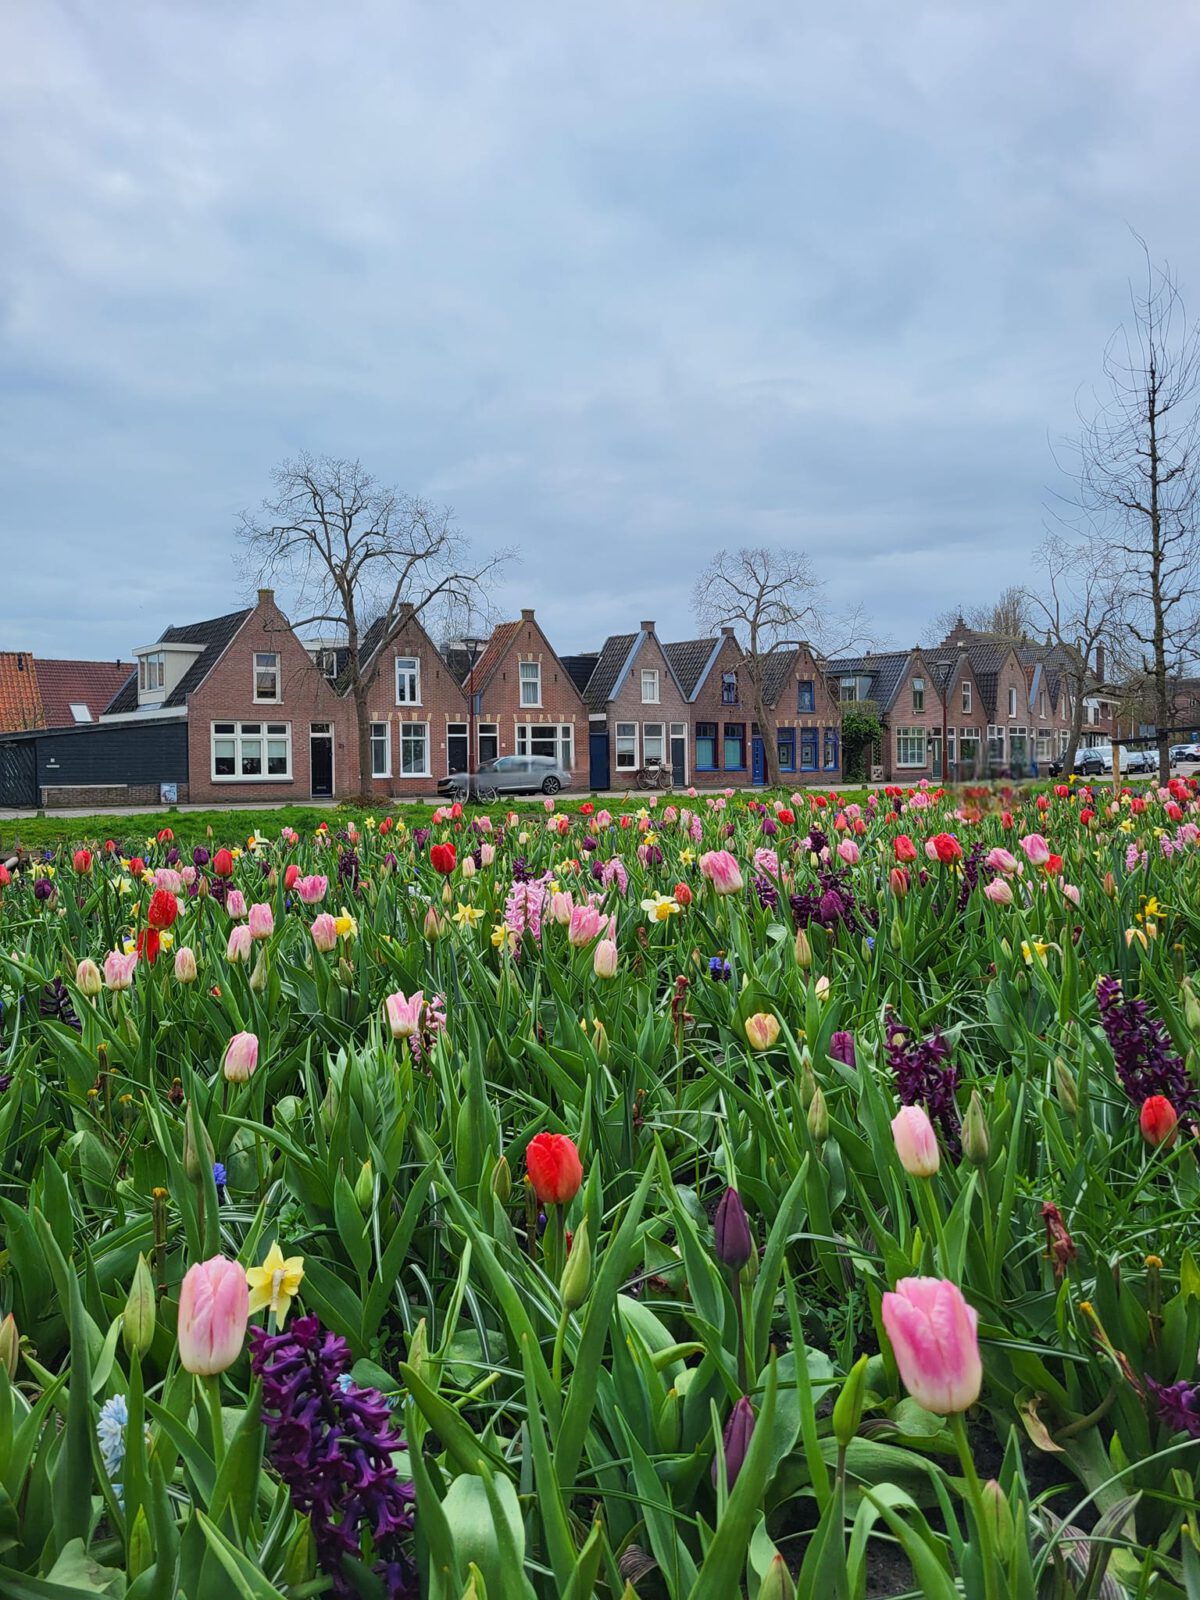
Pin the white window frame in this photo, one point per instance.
(1012, 702)
(492, 730)
(410, 728)
(918, 695)
(966, 696)
(272, 664)
(326, 663)
(648, 735)
(153, 665)
(625, 733)
(378, 730)
(243, 733)
(529, 674)
(650, 683)
(410, 668)
(564, 742)
(903, 737)
(848, 691)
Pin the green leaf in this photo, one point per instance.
(720, 1574)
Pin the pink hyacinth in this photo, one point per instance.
(614, 872)
(766, 862)
(524, 907)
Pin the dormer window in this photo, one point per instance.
(805, 698)
(848, 689)
(152, 671)
(327, 663)
(266, 677)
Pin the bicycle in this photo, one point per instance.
(654, 775)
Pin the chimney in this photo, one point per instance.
(1100, 662)
(266, 597)
(527, 614)
(727, 632)
(646, 627)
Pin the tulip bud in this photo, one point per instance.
(198, 1152)
(739, 1431)
(808, 1082)
(1110, 886)
(669, 1426)
(600, 1040)
(258, 978)
(10, 1345)
(1064, 1083)
(185, 965)
(577, 1273)
(87, 977)
(1191, 1008)
(803, 949)
(364, 1187)
(898, 882)
(502, 1181)
(999, 1518)
(896, 934)
(137, 1325)
(418, 1352)
(916, 1142)
(848, 1407)
(777, 1581)
(762, 1030)
(976, 1136)
(435, 925)
(818, 1117)
(732, 1240)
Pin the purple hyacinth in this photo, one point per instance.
(1141, 1048)
(832, 903)
(1178, 1406)
(925, 1077)
(767, 892)
(332, 1444)
(974, 871)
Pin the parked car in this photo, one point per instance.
(1139, 761)
(1088, 764)
(507, 775)
(1185, 753)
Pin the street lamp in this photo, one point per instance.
(473, 645)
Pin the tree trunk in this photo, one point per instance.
(1076, 729)
(362, 719)
(766, 731)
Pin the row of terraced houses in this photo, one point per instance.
(239, 708)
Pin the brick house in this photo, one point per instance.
(526, 701)
(638, 712)
(808, 717)
(419, 714)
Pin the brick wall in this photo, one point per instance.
(902, 715)
(825, 717)
(561, 702)
(57, 796)
(227, 695)
(628, 706)
(442, 702)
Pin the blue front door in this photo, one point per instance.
(598, 759)
(758, 759)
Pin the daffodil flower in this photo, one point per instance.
(660, 908)
(468, 916)
(346, 926)
(276, 1283)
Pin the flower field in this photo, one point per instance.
(729, 1198)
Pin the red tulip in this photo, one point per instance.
(165, 835)
(683, 895)
(786, 816)
(905, 849)
(1062, 790)
(1086, 815)
(1158, 1120)
(554, 1168)
(164, 908)
(136, 866)
(290, 873)
(82, 861)
(222, 863)
(442, 857)
(945, 847)
(148, 943)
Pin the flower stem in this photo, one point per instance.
(212, 1387)
(987, 1554)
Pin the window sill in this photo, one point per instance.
(257, 702)
(266, 777)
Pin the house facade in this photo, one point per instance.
(420, 721)
(638, 713)
(522, 700)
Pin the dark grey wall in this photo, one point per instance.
(153, 752)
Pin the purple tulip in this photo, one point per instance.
(731, 1232)
(841, 1048)
(739, 1431)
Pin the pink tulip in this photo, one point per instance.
(604, 819)
(722, 871)
(188, 876)
(238, 948)
(586, 923)
(1071, 893)
(241, 1057)
(1001, 860)
(933, 1337)
(404, 1013)
(185, 965)
(562, 903)
(87, 978)
(999, 892)
(916, 1142)
(235, 904)
(604, 961)
(167, 878)
(324, 932)
(1037, 851)
(262, 921)
(311, 889)
(849, 852)
(214, 1306)
(487, 854)
(118, 969)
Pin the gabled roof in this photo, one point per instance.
(886, 670)
(494, 651)
(581, 666)
(777, 667)
(89, 685)
(610, 666)
(20, 697)
(691, 661)
(458, 659)
(214, 635)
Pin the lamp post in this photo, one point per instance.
(473, 646)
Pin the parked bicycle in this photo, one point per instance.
(654, 775)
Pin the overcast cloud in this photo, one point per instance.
(621, 283)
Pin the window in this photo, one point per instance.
(80, 713)
(966, 695)
(706, 747)
(381, 751)
(785, 745)
(266, 676)
(1042, 704)
(531, 683)
(408, 681)
(627, 746)
(653, 743)
(805, 700)
(808, 749)
(554, 739)
(729, 694)
(650, 686)
(489, 741)
(458, 747)
(918, 694)
(735, 746)
(910, 747)
(414, 750)
(1043, 746)
(996, 743)
(848, 689)
(831, 749)
(152, 671)
(327, 663)
(1012, 702)
(242, 750)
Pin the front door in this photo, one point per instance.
(679, 753)
(321, 760)
(758, 758)
(598, 759)
(457, 747)
(935, 754)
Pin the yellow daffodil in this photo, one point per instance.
(468, 916)
(346, 926)
(370, 823)
(41, 870)
(660, 908)
(500, 934)
(129, 946)
(686, 857)
(1126, 826)
(166, 939)
(124, 886)
(1038, 949)
(651, 837)
(276, 1283)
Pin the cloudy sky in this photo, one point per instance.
(623, 284)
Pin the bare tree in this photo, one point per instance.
(1138, 486)
(1007, 617)
(354, 552)
(774, 601)
(1077, 605)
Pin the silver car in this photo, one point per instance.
(507, 775)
